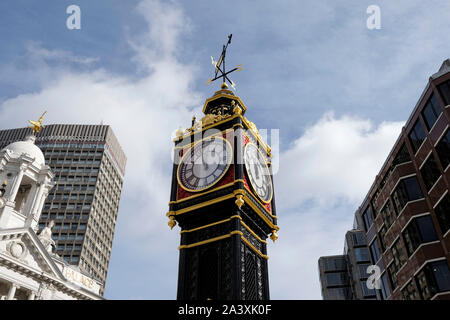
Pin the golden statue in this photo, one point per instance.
(37, 125)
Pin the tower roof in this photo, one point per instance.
(26, 147)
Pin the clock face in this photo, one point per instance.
(258, 172)
(204, 164)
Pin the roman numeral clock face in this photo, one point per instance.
(258, 172)
(204, 164)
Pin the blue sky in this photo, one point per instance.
(335, 90)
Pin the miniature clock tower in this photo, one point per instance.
(222, 198)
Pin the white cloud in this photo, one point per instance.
(334, 158)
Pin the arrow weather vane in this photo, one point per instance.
(220, 66)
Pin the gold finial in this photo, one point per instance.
(274, 235)
(224, 86)
(172, 223)
(237, 110)
(37, 125)
(239, 201)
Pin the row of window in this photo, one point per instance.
(72, 161)
(66, 216)
(71, 145)
(73, 197)
(67, 236)
(73, 153)
(67, 206)
(65, 226)
(432, 279)
(75, 170)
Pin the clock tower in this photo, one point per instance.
(222, 198)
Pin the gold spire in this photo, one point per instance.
(37, 125)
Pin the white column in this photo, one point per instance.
(38, 199)
(32, 295)
(12, 292)
(16, 185)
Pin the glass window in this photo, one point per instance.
(443, 150)
(431, 112)
(419, 230)
(334, 264)
(362, 268)
(382, 236)
(408, 189)
(433, 278)
(336, 279)
(442, 211)
(366, 291)
(410, 292)
(430, 172)
(367, 217)
(385, 291)
(392, 274)
(362, 255)
(375, 251)
(417, 136)
(402, 156)
(358, 239)
(338, 293)
(399, 254)
(388, 214)
(444, 90)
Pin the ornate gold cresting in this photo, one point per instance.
(37, 125)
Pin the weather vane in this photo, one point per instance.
(220, 66)
(37, 125)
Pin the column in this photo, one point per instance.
(37, 201)
(32, 295)
(17, 181)
(12, 291)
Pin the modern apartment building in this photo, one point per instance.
(343, 277)
(406, 213)
(89, 167)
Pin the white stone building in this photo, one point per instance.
(28, 268)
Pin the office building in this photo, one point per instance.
(343, 277)
(89, 167)
(406, 213)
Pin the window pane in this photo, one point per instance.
(426, 227)
(443, 150)
(362, 268)
(431, 112)
(413, 188)
(385, 286)
(430, 172)
(420, 230)
(441, 275)
(367, 218)
(410, 292)
(336, 279)
(444, 90)
(417, 135)
(388, 214)
(362, 254)
(402, 156)
(375, 251)
(366, 291)
(442, 211)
